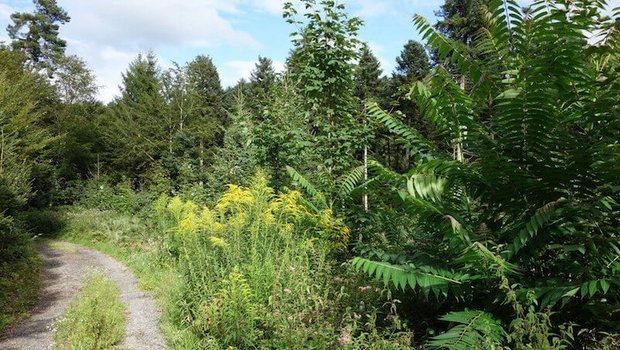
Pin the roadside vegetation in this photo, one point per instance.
(95, 319)
(470, 200)
(19, 278)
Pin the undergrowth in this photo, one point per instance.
(95, 320)
(19, 274)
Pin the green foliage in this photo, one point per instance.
(522, 190)
(166, 125)
(426, 278)
(262, 80)
(36, 34)
(474, 330)
(254, 267)
(325, 45)
(74, 81)
(24, 138)
(367, 75)
(95, 320)
(412, 63)
(19, 273)
(236, 161)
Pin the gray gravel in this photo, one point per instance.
(64, 266)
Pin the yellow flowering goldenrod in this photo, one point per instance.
(234, 197)
(189, 224)
(218, 242)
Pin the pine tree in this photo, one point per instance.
(36, 34)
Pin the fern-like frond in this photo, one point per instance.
(417, 143)
(426, 278)
(475, 330)
(541, 217)
(306, 185)
(457, 52)
(349, 182)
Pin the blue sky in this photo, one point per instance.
(108, 34)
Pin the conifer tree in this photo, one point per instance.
(210, 117)
(36, 33)
(262, 80)
(367, 75)
(460, 20)
(137, 135)
(412, 63)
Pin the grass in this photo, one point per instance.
(19, 283)
(94, 320)
(133, 242)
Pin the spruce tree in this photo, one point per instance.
(367, 75)
(412, 63)
(262, 80)
(460, 20)
(210, 118)
(136, 134)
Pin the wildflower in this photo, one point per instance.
(291, 269)
(218, 242)
(287, 291)
(345, 337)
(236, 196)
(365, 288)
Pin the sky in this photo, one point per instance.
(109, 34)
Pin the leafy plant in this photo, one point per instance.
(523, 190)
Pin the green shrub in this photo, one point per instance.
(256, 271)
(19, 273)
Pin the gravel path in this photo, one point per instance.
(64, 266)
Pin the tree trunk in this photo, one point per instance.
(365, 199)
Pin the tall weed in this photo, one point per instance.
(255, 267)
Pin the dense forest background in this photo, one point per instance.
(469, 199)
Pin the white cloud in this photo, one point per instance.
(272, 6)
(233, 71)
(5, 12)
(143, 24)
(371, 8)
(378, 50)
(108, 34)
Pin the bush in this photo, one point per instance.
(255, 268)
(19, 273)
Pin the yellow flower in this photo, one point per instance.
(218, 242)
(189, 224)
(235, 197)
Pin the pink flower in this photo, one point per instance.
(345, 337)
